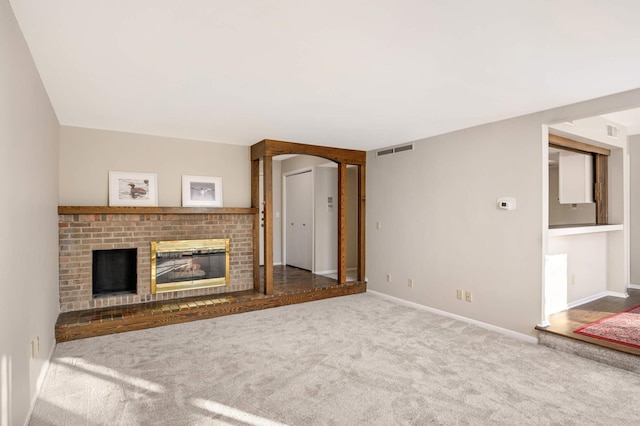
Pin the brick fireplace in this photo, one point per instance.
(83, 230)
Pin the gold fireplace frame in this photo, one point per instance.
(186, 245)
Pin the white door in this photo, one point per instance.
(299, 214)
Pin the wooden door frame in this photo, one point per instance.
(265, 150)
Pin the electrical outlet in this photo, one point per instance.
(378, 225)
(388, 278)
(467, 296)
(460, 294)
(572, 279)
(410, 282)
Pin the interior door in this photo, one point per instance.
(299, 214)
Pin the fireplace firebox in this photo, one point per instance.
(114, 271)
(187, 265)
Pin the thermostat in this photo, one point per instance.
(506, 203)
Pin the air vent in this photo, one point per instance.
(401, 148)
(385, 152)
(612, 131)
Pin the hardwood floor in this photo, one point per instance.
(291, 286)
(563, 323)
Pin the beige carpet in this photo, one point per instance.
(355, 360)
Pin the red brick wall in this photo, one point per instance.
(80, 234)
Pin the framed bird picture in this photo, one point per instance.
(201, 191)
(133, 189)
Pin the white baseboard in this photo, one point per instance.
(585, 300)
(327, 272)
(491, 327)
(594, 297)
(635, 286)
(333, 271)
(618, 294)
(39, 383)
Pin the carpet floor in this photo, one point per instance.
(353, 360)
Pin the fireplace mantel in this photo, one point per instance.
(154, 210)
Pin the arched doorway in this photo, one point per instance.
(265, 151)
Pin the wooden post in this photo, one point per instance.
(255, 203)
(601, 189)
(268, 224)
(362, 208)
(342, 223)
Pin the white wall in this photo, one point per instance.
(325, 219)
(29, 222)
(441, 228)
(87, 156)
(586, 263)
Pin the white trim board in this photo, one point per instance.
(595, 297)
(486, 326)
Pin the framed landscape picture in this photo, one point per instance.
(133, 189)
(201, 191)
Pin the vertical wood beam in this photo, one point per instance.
(268, 224)
(255, 203)
(342, 223)
(601, 189)
(362, 208)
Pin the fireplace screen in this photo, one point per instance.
(187, 265)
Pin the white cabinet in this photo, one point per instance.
(575, 178)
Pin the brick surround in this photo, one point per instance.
(80, 234)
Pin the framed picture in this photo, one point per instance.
(201, 191)
(133, 189)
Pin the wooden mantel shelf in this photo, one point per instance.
(154, 210)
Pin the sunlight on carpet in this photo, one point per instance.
(234, 413)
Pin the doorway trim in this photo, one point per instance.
(265, 150)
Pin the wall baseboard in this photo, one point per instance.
(634, 286)
(585, 300)
(486, 326)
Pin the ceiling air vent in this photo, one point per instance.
(400, 148)
(612, 131)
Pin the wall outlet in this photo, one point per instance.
(467, 296)
(572, 279)
(410, 283)
(459, 294)
(388, 278)
(378, 225)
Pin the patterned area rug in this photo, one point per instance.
(622, 328)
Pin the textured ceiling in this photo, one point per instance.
(354, 74)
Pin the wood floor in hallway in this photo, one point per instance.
(563, 323)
